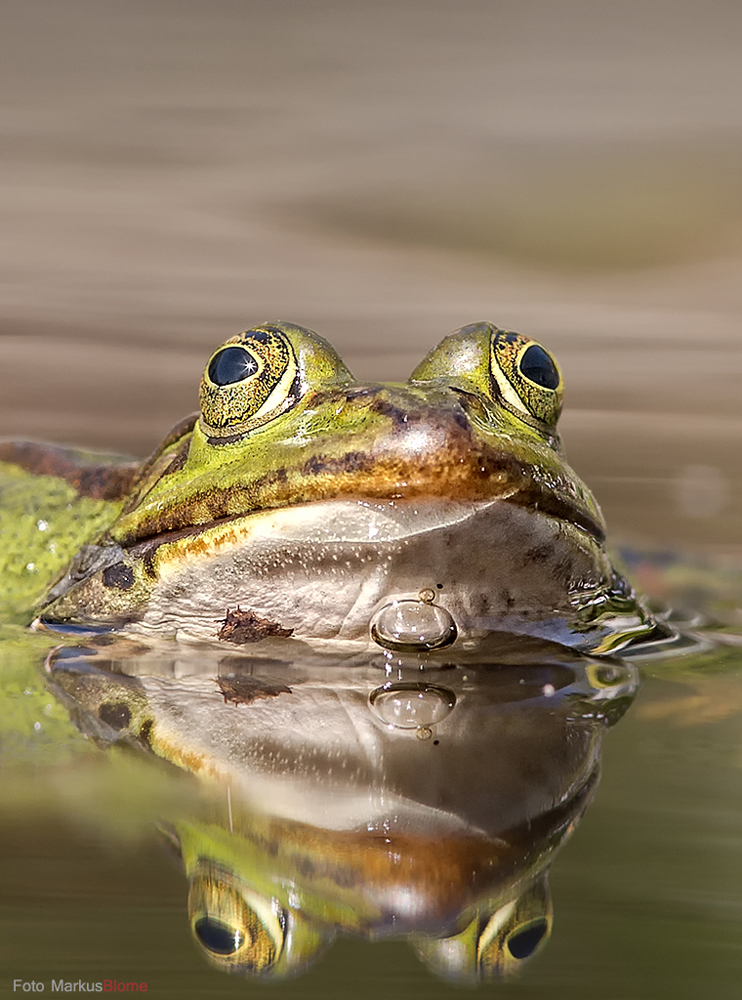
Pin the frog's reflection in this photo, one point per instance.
(383, 798)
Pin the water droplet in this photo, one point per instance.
(423, 733)
(412, 706)
(413, 625)
(548, 690)
(42, 525)
(427, 596)
(37, 726)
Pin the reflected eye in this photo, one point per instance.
(218, 938)
(238, 929)
(516, 931)
(248, 382)
(526, 377)
(495, 942)
(524, 942)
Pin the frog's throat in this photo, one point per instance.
(324, 569)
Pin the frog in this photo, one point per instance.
(301, 503)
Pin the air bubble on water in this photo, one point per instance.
(413, 706)
(413, 625)
(548, 690)
(37, 727)
(42, 525)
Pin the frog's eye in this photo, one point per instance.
(495, 943)
(526, 377)
(238, 930)
(233, 364)
(248, 382)
(502, 949)
(245, 931)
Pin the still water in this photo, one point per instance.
(383, 174)
(556, 823)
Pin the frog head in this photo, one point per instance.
(306, 502)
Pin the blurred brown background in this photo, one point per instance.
(384, 173)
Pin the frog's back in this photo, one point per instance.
(52, 501)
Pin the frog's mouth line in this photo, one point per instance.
(427, 454)
(146, 547)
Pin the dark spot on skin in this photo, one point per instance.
(439, 586)
(115, 714)
(242, 690)
(148, 562)
(538, 553)
(507, 599)
(436, 742)
(398, 415)
(460, 418)
(145, 733)
(245, 626)
(120, 576)
(294, 391)
(271, 847)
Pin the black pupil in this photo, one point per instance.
(218, 937)
(537, 366)
(524, 943)
(233, 364)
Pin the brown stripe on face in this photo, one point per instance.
(480, 476)
(449, 464)
(96, 480)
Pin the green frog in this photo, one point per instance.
(301, 502)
